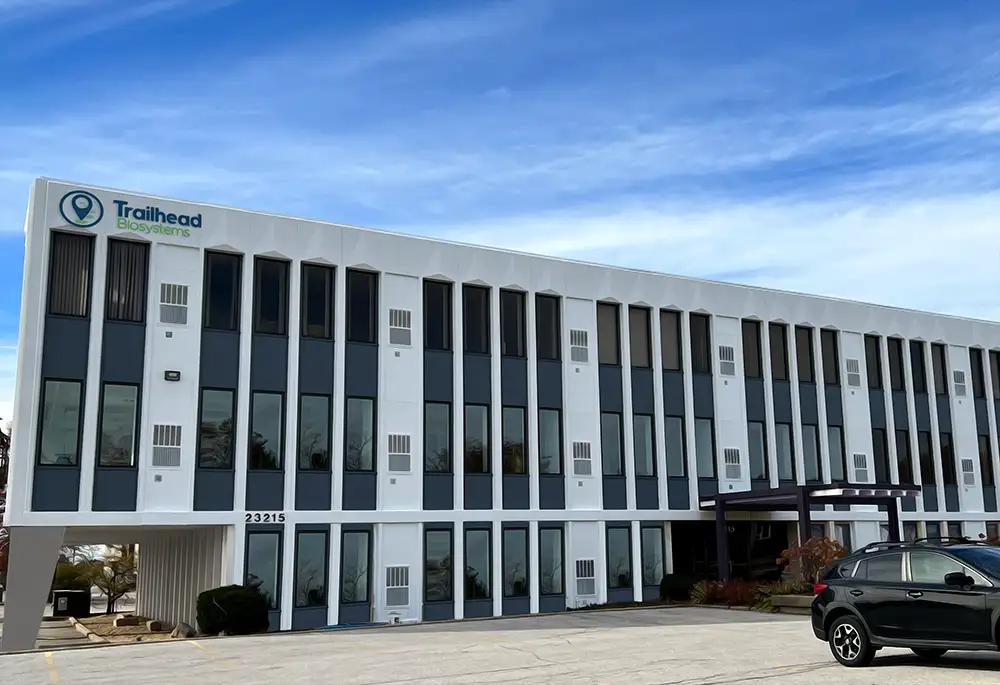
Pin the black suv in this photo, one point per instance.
(929, 595)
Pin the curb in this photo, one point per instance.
(90, 634)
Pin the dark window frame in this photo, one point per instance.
(829, 345)
(777, 337)
(819, 454)
(114, 306)
(504, 456)
(843, 457)
(450, 466)
(683, 441)
(451, 555)
(701, 349)
(278, 561)
(519, 301)
(603, 354)
(561, 459)
(949, 469)
(644, 526)
(232, 424)
(329, 274)
(939, 364)
(652, 446)
(791, 451)
(676, 340)
(326, 568)
(280, 466)
(897, 367)
(766, 478)
(753, 350)
(986, 474)
(607, 556)
(904, 456)
(562, 558)
(805, 364)
(137, 422)
(489, 557)
(281, 324)
(53, 270)
(484, 325)
(351, 335)
(994, 359)
(236, 319)
(374, 439)
(527, 560)
(329, 434)
(976, 369)
(881, 456)
(715, 457)
(926, 458)
(918, 367)
(443, 297)
(81, 402)
(621, 445)
(487, 448)
(646, 340)
(369, 595)
(873, 361)
(551, 352)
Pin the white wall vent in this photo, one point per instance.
(860, 468)
(399, 453)
(727, 360)
(968, 472)
(578, 347)
(854, 373)
(582, 463)
(397, 586)
(166, 446)
(959, 382)
(173, 304)
(731, 457)
(586, 581)
(400, 326)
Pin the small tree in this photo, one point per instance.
(115, 575)
(813, 556)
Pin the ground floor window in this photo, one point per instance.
(437, 566)
(263, 564)
(478, 564)
(652, 555)
(515, 562)
(550, 561)
(354, 571)
(619, 558)
(311, 563)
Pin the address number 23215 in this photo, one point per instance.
(265, 517)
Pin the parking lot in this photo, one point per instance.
(661, 646)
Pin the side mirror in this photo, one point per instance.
(957, 579)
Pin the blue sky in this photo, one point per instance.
(840, 147)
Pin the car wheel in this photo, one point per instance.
(849, 642)
(929, 654)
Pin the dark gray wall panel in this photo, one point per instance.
(307, 618)
(361, 612)
(550, 384)
(220, 359)
(930, 498)
(115, 489)
(704, 396)
(650, 593)
(643, 394)
(647, 492)
(354, 614)
(908, 503)
(611, 388)
(65, 346)
(439, 376)
(214, 489)
(265, 490)
(478, 608)
(944, 413)
(516, 491)
(808, 406)
(439, 611)
(361, 370)
(759, 484)
(551, 491)
(123, 351)
(56, 489)
(551, 604)
(922, 410)
(514, 381)
(477, 384)
(673, 393)
(615, 489)
(478, 491)
(982, 417)
(678, 495)
(990, 497)
(516, 606)
(313, 491)
(620, 594)
(755, 399)
(876, 408)
(316, 359)
(951, 501)
(834, 406)
(439, 491)
(900, 413)
(782, 394)
(708, 487)
(360, 490)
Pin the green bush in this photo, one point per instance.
(676, 588)
(235, 609)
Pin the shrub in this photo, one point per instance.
(676, 588)
(763, 594)
(235, 609)
(813, 556)
(737, 592)
(706, 592)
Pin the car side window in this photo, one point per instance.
(928, 567)
(885, 568)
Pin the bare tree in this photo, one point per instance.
(115, 575)
(354, 583)
(311, 456)
(359, 455)
(215, 444)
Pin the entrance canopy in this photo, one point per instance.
(801, 499)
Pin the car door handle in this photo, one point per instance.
(914, 594)
(857, 593)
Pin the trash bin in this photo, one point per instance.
(75, 603)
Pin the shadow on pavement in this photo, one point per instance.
(977, 661)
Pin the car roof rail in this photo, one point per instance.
(950, 540)
(885, 544)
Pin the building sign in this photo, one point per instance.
(84, 209)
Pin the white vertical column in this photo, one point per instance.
(534, 566)
(497, 563)
(496, 401)
(793, 382)
(239, 549)
(668, 548)
(601, 563)
(458, 567)
(659, 422)
(628, 421)
(458, 408)
(287, 589)
(533, 448)
(890, 415)
(637, 570)
(339, 398)
(292, 386)
(690, 446)
(333, 586)
(92, 392)
(243, 393)
(771, 427)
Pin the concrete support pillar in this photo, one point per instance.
(32, 561)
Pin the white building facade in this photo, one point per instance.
(377, 427)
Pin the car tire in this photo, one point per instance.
(928, 654)
(849, 642)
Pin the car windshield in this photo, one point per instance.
(984, 558)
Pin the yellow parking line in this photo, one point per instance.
(212, 653)
(53, 673)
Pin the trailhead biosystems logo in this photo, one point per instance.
(84, 209)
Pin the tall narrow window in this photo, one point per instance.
(437, 315)
(263, 562)
(704, 447)
(478, 564)
(611, 444)
(995, 373)
(978, 378)
(804, 354)
(919, 368)
(222, 291)
(547, 327)
(940, 369)
(477, 438)
(928, 476)
(670, 340)
(752, 354)
(59, 443)
(550, 561)
(948, 469)
(608, 345)
(880, 455)
(904, 457)
(549, 441)
(514, 430)
(896, 370)
(701, 343)
(359, 434)
(779, 351)
(362, 307)
(645, 460)
(311, 568)
(831, 356)
(476, 319)
(437, 437)
(128, 266)
(119, 414)
(266, 424)
(317, 301)
(270, 296)
(638, 333)
(810, 453)
(217, 430)
(758, 450)
(985, 460)
(438, 571)
(673, 435)
(314, 432)
(512, 317)
(786, 451)
(71, 263)
(838, 456)
(619, 558)
(652, 555)
(515, 562)
(355, 574)
(873, 359)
